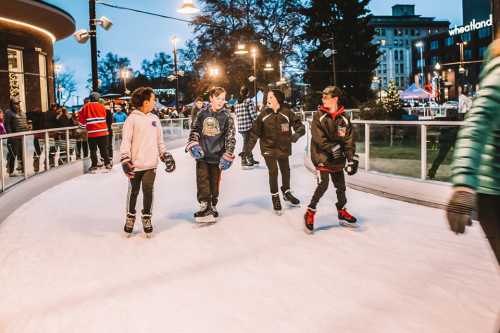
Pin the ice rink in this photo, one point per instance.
(66, 267)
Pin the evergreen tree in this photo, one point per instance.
(346, 21)
(392, 102)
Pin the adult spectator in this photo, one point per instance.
(93, 118)
(2, 125)
(109, 123)
(197, 106)
(82, 145)
(15, 122)
(119, 116)
(37, 119)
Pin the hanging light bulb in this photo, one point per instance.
(241, 49)
(188, 7)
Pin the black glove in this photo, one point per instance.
(169, 161)
(128, 168)
(295, 137)
(337, 152)
(352, 166)
(459, 209)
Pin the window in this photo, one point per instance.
(466, 37)
(397, 69)
(434, 45)
(396, 55)
(401, 55)
(382, 32)
(434, 60)
(16, 76)
(449, 41)
(484, 32)
(468, 54)
(482, 51)
(412, 32)
(44, 94)
(401, 68)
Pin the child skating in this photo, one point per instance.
(332, 146)
(211, 144)
(141, 146)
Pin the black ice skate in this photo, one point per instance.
(288, 197)
(205, 214)
(252, 161)
(93, 169)
(276, 203)
(214, 207)
(346, 219)
(245, 162)
(129, 224)
(146, 224)
(309, 220)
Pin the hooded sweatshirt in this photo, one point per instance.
(142, 141)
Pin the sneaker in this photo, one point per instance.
(129, 223)
(205, 214)
(146, 224)
(276, 203)
(288, 196)
(346, 219)
(309, 220)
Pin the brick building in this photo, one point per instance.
(28, 30)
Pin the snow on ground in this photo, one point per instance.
(66, 267)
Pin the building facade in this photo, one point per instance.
(396, 35)
(28, 30)
(452, 61)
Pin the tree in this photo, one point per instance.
(269, 26)
(159, 68)
(392, 102)
(109, 72)
(65, 87)
(356, 57)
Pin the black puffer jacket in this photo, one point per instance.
(15, 121)
(274, 129)
(328, 132)
(215, 132)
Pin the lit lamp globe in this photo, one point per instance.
(188, 8)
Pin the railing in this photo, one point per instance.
(414, 149)
(26, 154)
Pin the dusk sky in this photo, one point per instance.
(138, 36)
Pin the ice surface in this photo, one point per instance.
(65, 266)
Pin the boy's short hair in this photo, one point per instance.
(198, 99)
(332, 91)
(216, 91)
(140, 95)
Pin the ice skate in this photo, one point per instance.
(205, 214)
(245, 163)
(346, 219)
(277, 204)
(93, 170)
(291, 199)
(309, 220)
(147, 226)
(129, 224)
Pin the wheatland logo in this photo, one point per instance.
(472, 26)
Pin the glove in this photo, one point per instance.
(352, 166)
(128, 168)
(337, 152)
(295, 137)
(169, 161)
(194, 148)
(226, 161)
(460, 208)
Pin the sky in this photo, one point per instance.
(138, 36)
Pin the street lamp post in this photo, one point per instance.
(420, 45)
(124, 75)
(333, 62)
(174, 41)
(93, 44)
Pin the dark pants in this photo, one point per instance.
(110, 146)
(37, 154)
(102, 143)
(208, 182)
(82, 145)
(284, 167)
(444, 149)
(246, 137)
(338, 181)
(147, 179)
(489, 217)
(15, 151)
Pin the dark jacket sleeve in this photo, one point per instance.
(255, 133)
(297, 125)
(195, 133)
(8, 121)
(229, 136)
(318, 135)
(349, 144)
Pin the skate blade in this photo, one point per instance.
(148, 235)
(127, 234)
(247, 167)
(278, 212)
(291, 205)
(205, 219)
(308, 232)
(354, 225)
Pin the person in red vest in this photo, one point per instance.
(93, 118)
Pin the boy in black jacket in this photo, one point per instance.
(332, 145)
(211, 143)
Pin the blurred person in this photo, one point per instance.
(197, 107)
(15, 122)
(476, 160)
(246, 114)
(82, 145)
(119, 116)
(38, 122)
(2, 125)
